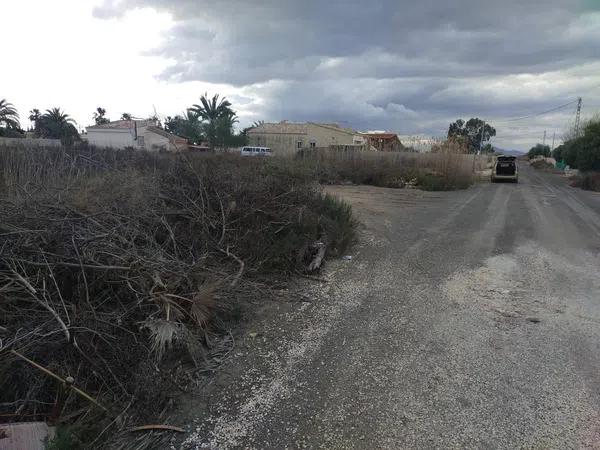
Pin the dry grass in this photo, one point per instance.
(445, 169)
(589, 181)
(116, 267)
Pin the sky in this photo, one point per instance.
(410, 67)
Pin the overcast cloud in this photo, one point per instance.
(404, 66)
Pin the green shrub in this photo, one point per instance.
(583, 152)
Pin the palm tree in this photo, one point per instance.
(100, 116)
(9, 115)
(224, 128)
(258, 123)
(187, 125)
(56, 124)
(216, 113)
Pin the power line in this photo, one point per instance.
(537, 114)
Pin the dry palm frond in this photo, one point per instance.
(203, 303)
(163, 333)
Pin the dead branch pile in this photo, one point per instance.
(114, 263)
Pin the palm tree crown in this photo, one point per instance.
(218, 117)
(55, 115)
(8, 115)
(211, 109)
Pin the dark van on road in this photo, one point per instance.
(505, 168)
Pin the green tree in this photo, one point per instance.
(584, 151)
(55, 124)
(187, 125)
(539, 150)
(224, 129)
(126, 116)
(217, 116)
(35, 117)
(100, 116)
(9, 121)
(9, 117)
(558, 152)
(475, 131)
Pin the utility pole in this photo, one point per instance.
(577, 117)
(553, 136)
(481, 141)
(544, 142)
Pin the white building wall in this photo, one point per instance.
(111, 138)
(155, 142)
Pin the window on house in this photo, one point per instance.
(299, 144)
(313, 144)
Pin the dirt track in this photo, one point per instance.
(464, 319)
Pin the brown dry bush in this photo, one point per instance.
(447, 168)
(116, 267)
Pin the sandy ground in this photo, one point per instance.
(463, 320)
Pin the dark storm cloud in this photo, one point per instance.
(373, 63)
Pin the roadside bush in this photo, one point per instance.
(558, 152)
(583, 152)
(589, 181)
(117, 267)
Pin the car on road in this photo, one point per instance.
(256, 151)
(505, 168)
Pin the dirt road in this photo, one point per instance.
(464, 320)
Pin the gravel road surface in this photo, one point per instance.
(464, 319)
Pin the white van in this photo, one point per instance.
(256, 151)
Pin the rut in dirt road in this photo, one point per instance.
(465, 319)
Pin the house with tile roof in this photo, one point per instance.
(384, 142)
(138, 134)
(286, 138)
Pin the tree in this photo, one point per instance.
(100, 116)
(55, 124)
(258, 123)
(218, 118)
(35, 116)
(558, 152)
(9, 117)
(539, 150)
(583, 152)
(476, 131)
(126, 116)
(187, 125)
(224, 129)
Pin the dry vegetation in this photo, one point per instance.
(119, 268)
(589, 181)
(122, 269)
(447, 167)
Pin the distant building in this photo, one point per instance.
(384, 142)
(421, 144)
(286, 138)
(139, 134)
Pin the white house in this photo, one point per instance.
(139, 134)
